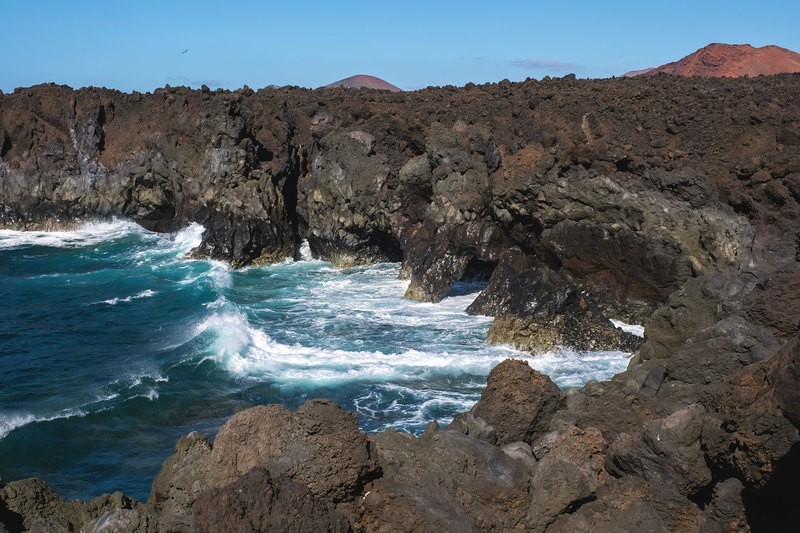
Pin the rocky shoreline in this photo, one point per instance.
(672, 202)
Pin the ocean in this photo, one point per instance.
(114, 344)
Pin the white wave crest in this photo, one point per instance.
(88, 234)
(304, 252)
(133, 380)
(144, 294)
(571, 368)
(11, 421)
(219, 274)
(250, 352)
(189, 238)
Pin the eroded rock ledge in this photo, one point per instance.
(668, 201)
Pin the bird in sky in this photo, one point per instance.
(185, 51)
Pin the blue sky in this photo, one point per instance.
(139, 45)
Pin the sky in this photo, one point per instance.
(140, 46)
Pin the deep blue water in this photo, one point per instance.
(113, 345)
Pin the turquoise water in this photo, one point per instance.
(113, 344)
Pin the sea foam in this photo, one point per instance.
(143, 294)
(11, 421)
(633, 329)
(89, 234)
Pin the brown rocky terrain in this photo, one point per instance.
(730, 61)
(668, 201)
(362, 81)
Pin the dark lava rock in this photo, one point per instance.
(621, 212)
(748, 432)
(667, 451)
(182, 478)
(750, 436)
(317, 448)
(518, 402)
(445, 481)
(258, 502)
(117, 513)
(537, 310)
(318, 445)
(32, 505)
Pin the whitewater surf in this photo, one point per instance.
(114, 344)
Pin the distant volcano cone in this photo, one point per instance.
(362, 81)
(730, 61)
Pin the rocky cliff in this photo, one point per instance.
(662, 200)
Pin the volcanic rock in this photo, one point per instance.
(32, 505)
(258, 502)
(318, 445)
(622, 207)
(183, 477)
(517, 402)
(446, 481)
(316, 450)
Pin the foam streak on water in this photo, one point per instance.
(113, 344)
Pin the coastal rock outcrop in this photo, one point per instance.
(518, 402)
(268, 456)
(318, 445)
(444, 480)
(607, 194)
(31, 505)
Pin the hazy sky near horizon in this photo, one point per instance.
(412, 44)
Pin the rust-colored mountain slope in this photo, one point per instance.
(730, 61)
(362, 81)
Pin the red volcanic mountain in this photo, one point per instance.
(730, 61)
(362, 81)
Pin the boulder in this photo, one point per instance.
(32, 505)
(747, 432)
(567, 474)
(631, 505)
(117, 513)
(447, 481)
(518, 402)
(319, 445)
(667, 451)
(318, 448)
(727, 512)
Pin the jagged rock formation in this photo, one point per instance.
(719, 60)
(667, 200)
